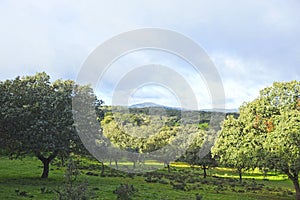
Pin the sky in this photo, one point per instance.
(251, 43)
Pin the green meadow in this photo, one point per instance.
(20, 179)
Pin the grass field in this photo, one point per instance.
(19, 179)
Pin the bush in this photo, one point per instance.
(163, 181)
(198, 197)
(125, 191)
(179, 186)
(72, 189)
(23, 193)
(150, 179)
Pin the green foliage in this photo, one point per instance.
(36, 118)
(73, 189)
(267, 132)
(198, 197)
(143, 130)
(204, 126)
(230, 149)
(125, 191)
(23, 193)
(197, 155)
(119, 136)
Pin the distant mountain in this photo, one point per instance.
(154, 105)
(233, 110)
(145, 105)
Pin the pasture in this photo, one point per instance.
(20, 179)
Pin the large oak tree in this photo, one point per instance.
(36, 118)
(268, 131)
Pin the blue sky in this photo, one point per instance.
(252, 43)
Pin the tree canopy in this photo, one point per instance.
(267, 132)
(36, 118)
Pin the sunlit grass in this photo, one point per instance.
(180, 164)
(24, 175)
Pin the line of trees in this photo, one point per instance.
(148, 136)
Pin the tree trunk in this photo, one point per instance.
(204, 171)
(46, 162)
(134, 164)
(265, 173)
(62, 161)
(240, 175)
(169, 169)
(295, 178)
(46, 168)
(102, 169)
(116, 163)
(297, 188)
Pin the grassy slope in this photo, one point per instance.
(23, 175)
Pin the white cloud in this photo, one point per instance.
(242, 78)
(253, 43)
(173, 73)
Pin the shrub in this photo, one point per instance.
(163, 181)
(179, 186)
(72, 189)
(45, 190)
(23, 193)
(198, 197)
(125, 191)
(150, 179)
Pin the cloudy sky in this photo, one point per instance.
(251, 43)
